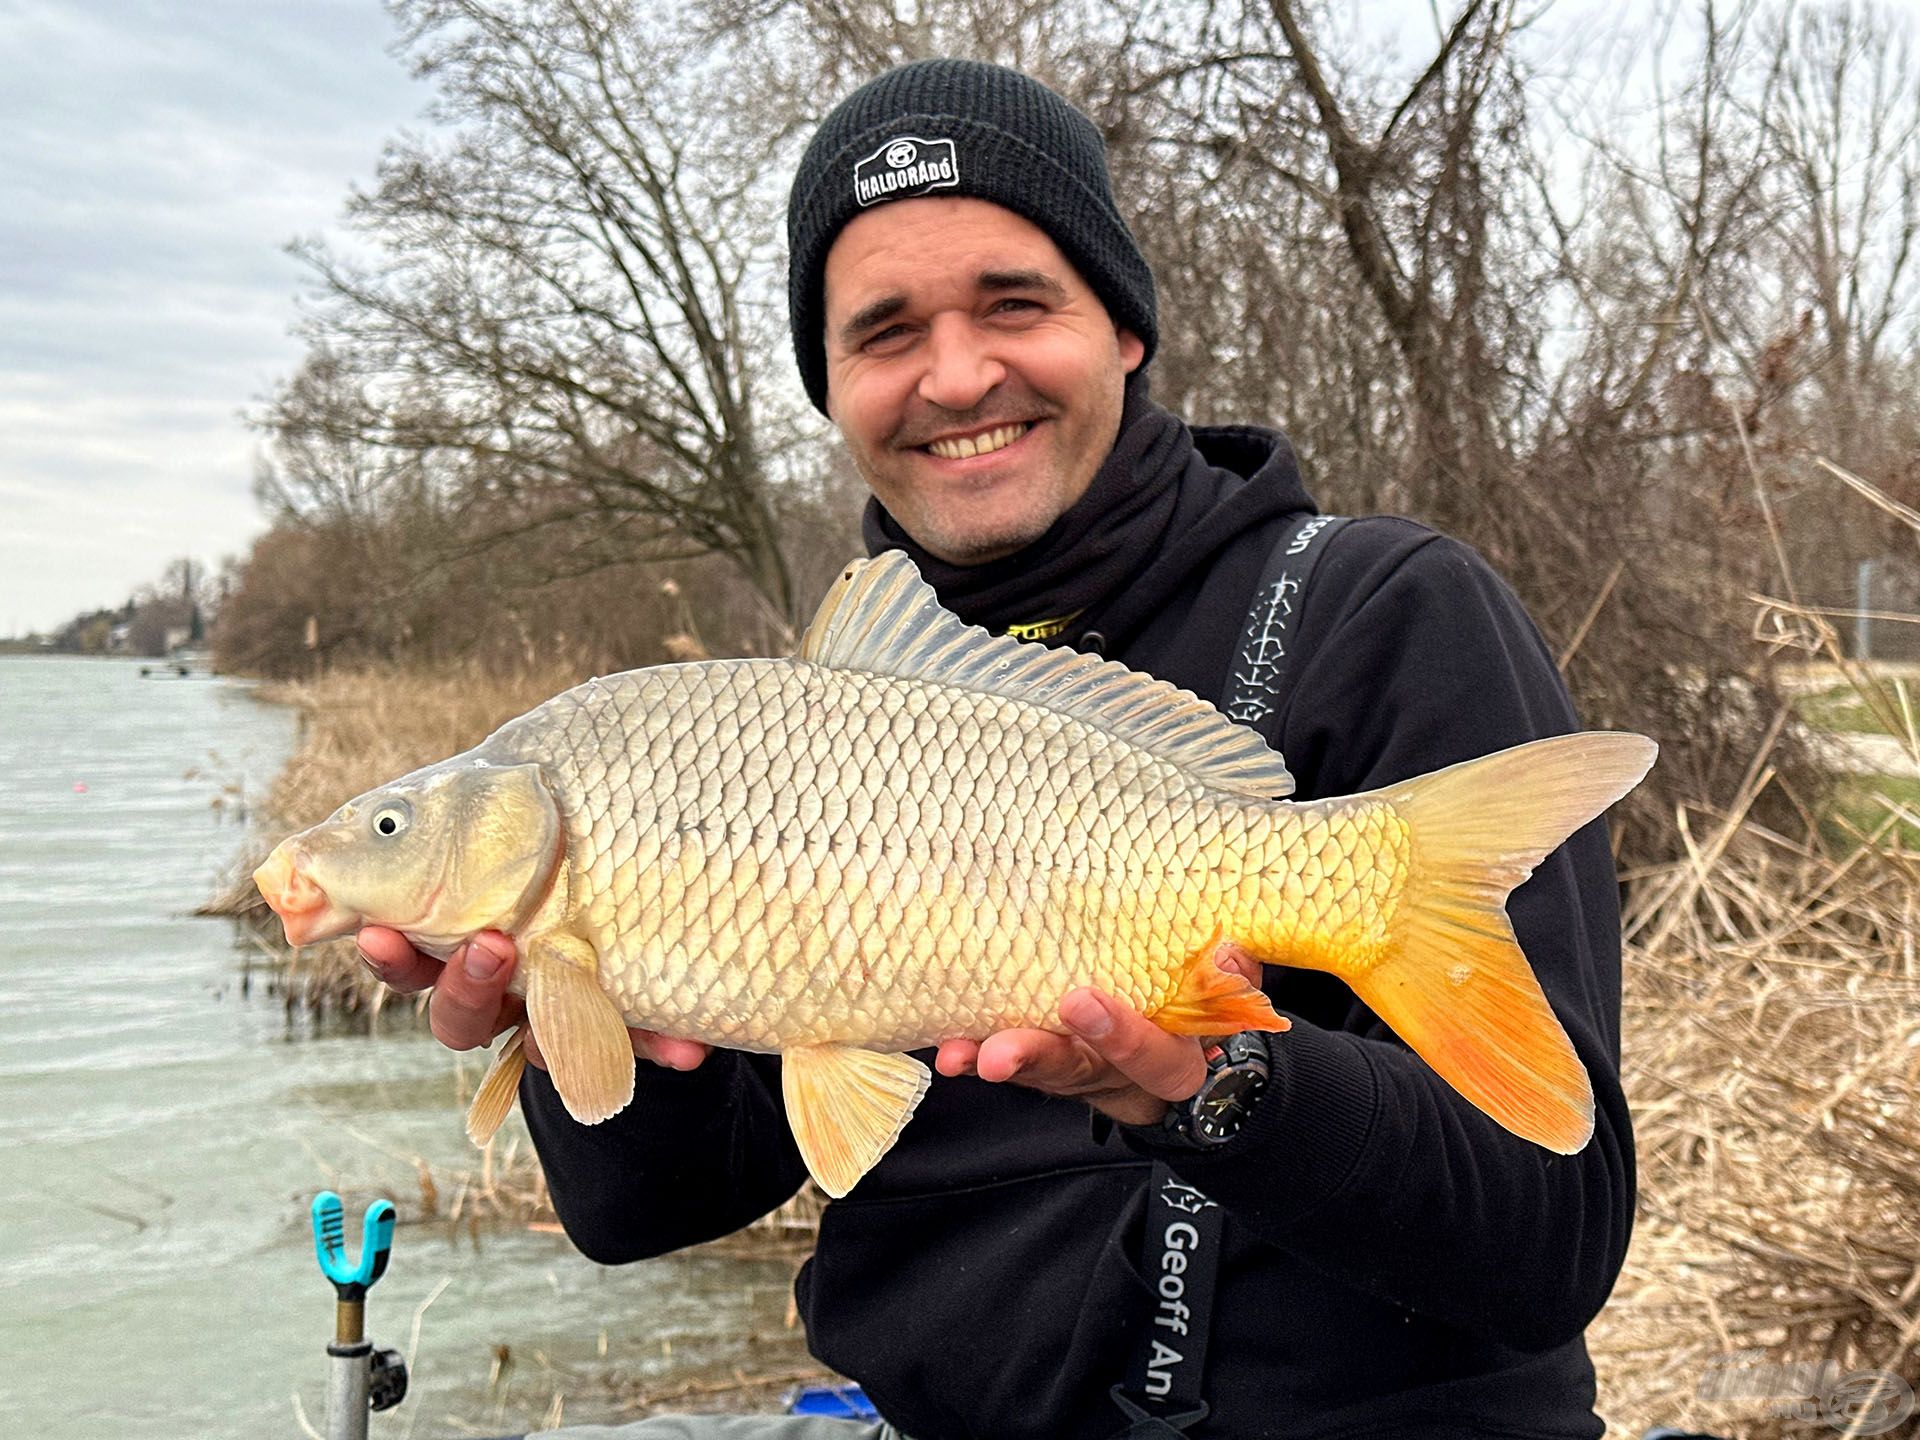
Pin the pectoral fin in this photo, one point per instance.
(847, 1107)
(581, 1034)
(493, 1101)
(1212, 1001)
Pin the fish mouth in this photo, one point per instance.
(306, 912)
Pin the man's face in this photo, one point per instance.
(974, 375)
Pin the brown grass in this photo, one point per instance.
(1771, 1049)
(360, 728)
(1772, 1056)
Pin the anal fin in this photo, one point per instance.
(493, 1101)
(1213, 1001)
(847, 1106)
(581, 1034)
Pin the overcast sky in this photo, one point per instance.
(155, 159)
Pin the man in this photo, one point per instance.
(973, 315)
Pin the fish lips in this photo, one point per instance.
(307, 913)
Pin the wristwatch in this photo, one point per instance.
(1237, 1071)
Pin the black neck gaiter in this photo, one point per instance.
(1107, 537)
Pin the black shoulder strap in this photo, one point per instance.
(1180, 1259)
(1180, 1248)
(1257, 678)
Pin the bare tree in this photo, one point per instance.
(1847, 128)
(564, 346)
(562, 296)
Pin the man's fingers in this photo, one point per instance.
(1039, 1058)
(1070, 1065)
(666, 1050)
(391, 957)
(957, 1057)
(1232, 958)
(470, 998)
(1168, 1066)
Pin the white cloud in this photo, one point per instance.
(155, 159)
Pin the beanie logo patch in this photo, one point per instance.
(906, 165)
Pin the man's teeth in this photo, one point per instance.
(986, 444)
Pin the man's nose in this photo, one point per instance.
(961, 367)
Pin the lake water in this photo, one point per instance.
(162, 1135)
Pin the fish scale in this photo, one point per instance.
(981, 906)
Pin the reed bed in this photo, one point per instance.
(1772, 1054)
(534, 1387)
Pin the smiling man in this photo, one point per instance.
(1111, 1230)
(975, 377)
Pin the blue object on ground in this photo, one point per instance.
(843, 1402)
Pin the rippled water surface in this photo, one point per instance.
(163, 1133)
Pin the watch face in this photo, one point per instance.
(1221, 1107)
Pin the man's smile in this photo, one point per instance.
(984, 442)
(980, 449)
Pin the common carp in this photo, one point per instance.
(912, 830)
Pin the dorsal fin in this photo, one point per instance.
(881, 617)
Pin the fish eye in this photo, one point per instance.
(390, 819)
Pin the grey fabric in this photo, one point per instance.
(727, 1427)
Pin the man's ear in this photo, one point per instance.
(1132, 348)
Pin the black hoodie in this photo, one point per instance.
(1396, 1263)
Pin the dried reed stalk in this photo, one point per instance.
(1772, 1055)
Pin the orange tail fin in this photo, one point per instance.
(1456, 986)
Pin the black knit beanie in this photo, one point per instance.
(958, 127)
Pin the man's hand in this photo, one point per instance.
(471, 1003)
(1120, 1063)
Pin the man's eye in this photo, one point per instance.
(883, 338)
(1011, 306)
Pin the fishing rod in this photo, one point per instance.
(362, 1379)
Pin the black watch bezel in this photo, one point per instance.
(1238, 1069)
